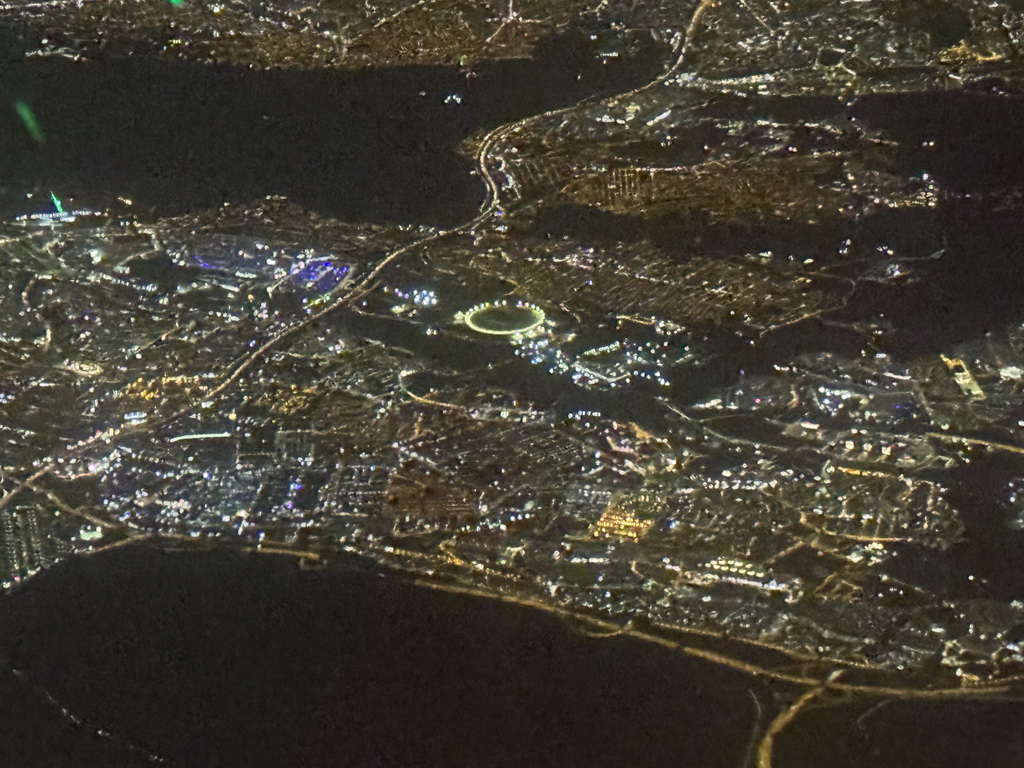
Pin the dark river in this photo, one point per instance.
(218, 659)
(374, 145)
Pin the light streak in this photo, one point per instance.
(29, 119)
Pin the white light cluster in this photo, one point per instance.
(630, 363)
(421, 297)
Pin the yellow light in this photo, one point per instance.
(503, 318)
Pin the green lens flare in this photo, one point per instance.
(29, 119)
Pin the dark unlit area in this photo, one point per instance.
(379, 144)
(220, 659)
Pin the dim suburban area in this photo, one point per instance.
(696, 324)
